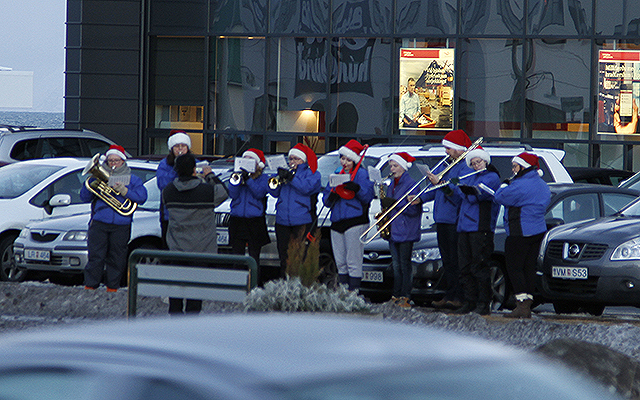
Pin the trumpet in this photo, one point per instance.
(276, 181)
(100, 188)
(237, 178)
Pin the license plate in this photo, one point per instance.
(372, 276)
(569, 272)
(223, 239)
(38, 255)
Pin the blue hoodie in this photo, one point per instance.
(294, 203)
(248, 200)
(445, 207)
(355, 210)
(406, 226)
(100, 211)
(525, 200)
(478, 213)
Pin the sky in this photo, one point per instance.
(33, 39)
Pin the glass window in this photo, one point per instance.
(492, 17)
(558, 78)
(95, 146)
(558, 17)
(306, 16)
(618, 17)
(575, 208)
(360, 83)
(239, 16)
(15, 179)
(364, 17)
(611, 156)
(613, 202)
(179, 16)
(61, 147)
(426, 17)
(25, 150)
(237, 84)
(69, 184)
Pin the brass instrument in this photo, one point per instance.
(276, 181)
(237, 178)
(439, 176)
(386, 232)
(100, 187)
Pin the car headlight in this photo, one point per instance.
(543, 245)
(24, 233)
(422, 255)
(75, 235)
(629, 250)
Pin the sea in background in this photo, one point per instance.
(33, 119)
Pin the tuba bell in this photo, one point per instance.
(103, 191)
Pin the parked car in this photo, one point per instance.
(39, 189)
(631, 183)
(600, 176)
(275, 357)
(585, 266)
(25, 143)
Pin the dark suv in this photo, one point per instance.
(19, 143)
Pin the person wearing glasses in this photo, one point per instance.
(109, 231)
(476, 226)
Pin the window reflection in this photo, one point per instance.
(426, 16)
(364, 17)
(555, 17)
(305, 16)
(492, 17)
(618, 17)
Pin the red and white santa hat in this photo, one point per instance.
(116, 150)
(352, 150)
(478, 152)
(405, 160)
(527, 160)
(178, 137)
(306, 154)
(457, 140)
(257, 155)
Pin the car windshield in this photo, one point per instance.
(16, 179)
(632, 210)
(330, 164)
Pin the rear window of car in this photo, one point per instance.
(15, 179)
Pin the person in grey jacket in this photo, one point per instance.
(192, 220)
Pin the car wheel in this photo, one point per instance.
(499, 292)
(9, 271)
(565, 307)
(328, 270)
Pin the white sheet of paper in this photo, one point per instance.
(275, 162)
(247, 164)
(423, 168)
(338, 179)
(374, 174)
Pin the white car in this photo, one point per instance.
(35, 190)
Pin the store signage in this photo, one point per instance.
(618, 91)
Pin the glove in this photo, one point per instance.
(469, 190)
(354, 187)
(506, 181)
(447, 190)
(387, 202)
(454, 180)
(245, 176)
(285, 174)
(333, 197)
(121, 188)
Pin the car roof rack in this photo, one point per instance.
(16, 128)
(525, 146)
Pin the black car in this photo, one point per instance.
(585, 266)
(600, 176)
(570, 202)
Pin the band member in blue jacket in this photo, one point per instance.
(445, 215)
(525, 197)
(247, 224)
(476, 226)
(405, 228)
(297, 197)
(349, 204)
(109, 231)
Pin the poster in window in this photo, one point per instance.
(426, 89)
(618, 91)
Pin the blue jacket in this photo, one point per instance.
(525, 200)
(295, 198)
(248, 200)
(165, 174)
(478, 213)
(100, 211)
(355, 210)
(406, 226)
(445, 207)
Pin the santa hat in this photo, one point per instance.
(457, 140)
(478, 152)
(257, 155)
(527, 160)
(178, 137)
(352, 150)
(306, 154)
(116, 150)
(404, 159)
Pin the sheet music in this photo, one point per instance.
(124, 179)
(275, 162)
(423, 168)
(374, 174)
(247, 164)
(338, 179)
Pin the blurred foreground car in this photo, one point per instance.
(585, 266)
(275, 357)
(599, 176)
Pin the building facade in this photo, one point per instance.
(271, 73)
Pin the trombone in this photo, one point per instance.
(390, 220)
(439, 176)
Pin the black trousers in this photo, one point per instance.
(177, 306)
(474, 252)
(284, 234)
(521, 253)
(107, 245)
(448, 245)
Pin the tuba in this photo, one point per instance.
(103, 191)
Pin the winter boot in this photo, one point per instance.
(482, 308)
(343, 279)
(522, 310)
(354, 283)
(466, 308)
(403, 302)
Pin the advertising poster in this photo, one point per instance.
(618, 91)
(426, 89)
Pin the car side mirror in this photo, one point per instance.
(60, 200)
(553, 222)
